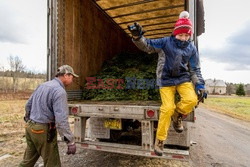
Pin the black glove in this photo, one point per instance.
(71, 148)
(202, 95)
(136, 30)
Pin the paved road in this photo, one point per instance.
(221, 140)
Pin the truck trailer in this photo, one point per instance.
(85, 33)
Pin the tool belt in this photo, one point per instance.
(51, 132)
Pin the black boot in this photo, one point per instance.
(177, 122)
(159, 147)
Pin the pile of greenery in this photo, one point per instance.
(123, 66)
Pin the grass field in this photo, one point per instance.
(12, 141)
(234, 106)
(24, 84)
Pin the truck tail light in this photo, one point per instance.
(74, 110)
(151, 113)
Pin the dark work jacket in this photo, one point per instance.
(176, 62)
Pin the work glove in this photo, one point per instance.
(136, 30)
(201, 92)
(71, 148)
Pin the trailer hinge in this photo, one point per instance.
(48, 52)
(48, 11)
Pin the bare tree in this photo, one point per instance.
(16, 67)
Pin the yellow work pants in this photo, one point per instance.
(187, 102)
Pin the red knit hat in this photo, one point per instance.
(183, 25)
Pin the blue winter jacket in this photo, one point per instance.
(176, 64)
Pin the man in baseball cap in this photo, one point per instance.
(66, 69)
(47, 113)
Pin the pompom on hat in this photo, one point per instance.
(183, 24)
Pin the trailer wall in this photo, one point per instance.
(87, 37)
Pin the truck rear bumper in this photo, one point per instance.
(124, 111)
(134, 150)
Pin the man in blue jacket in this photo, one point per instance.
(178, 63)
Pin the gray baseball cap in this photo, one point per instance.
(66, 69)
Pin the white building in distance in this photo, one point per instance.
(215, 86)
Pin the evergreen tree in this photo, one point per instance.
(240, 90)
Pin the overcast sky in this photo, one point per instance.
(224, 48)
(23, 32)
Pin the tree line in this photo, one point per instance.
(238, 89)
(18, 78)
